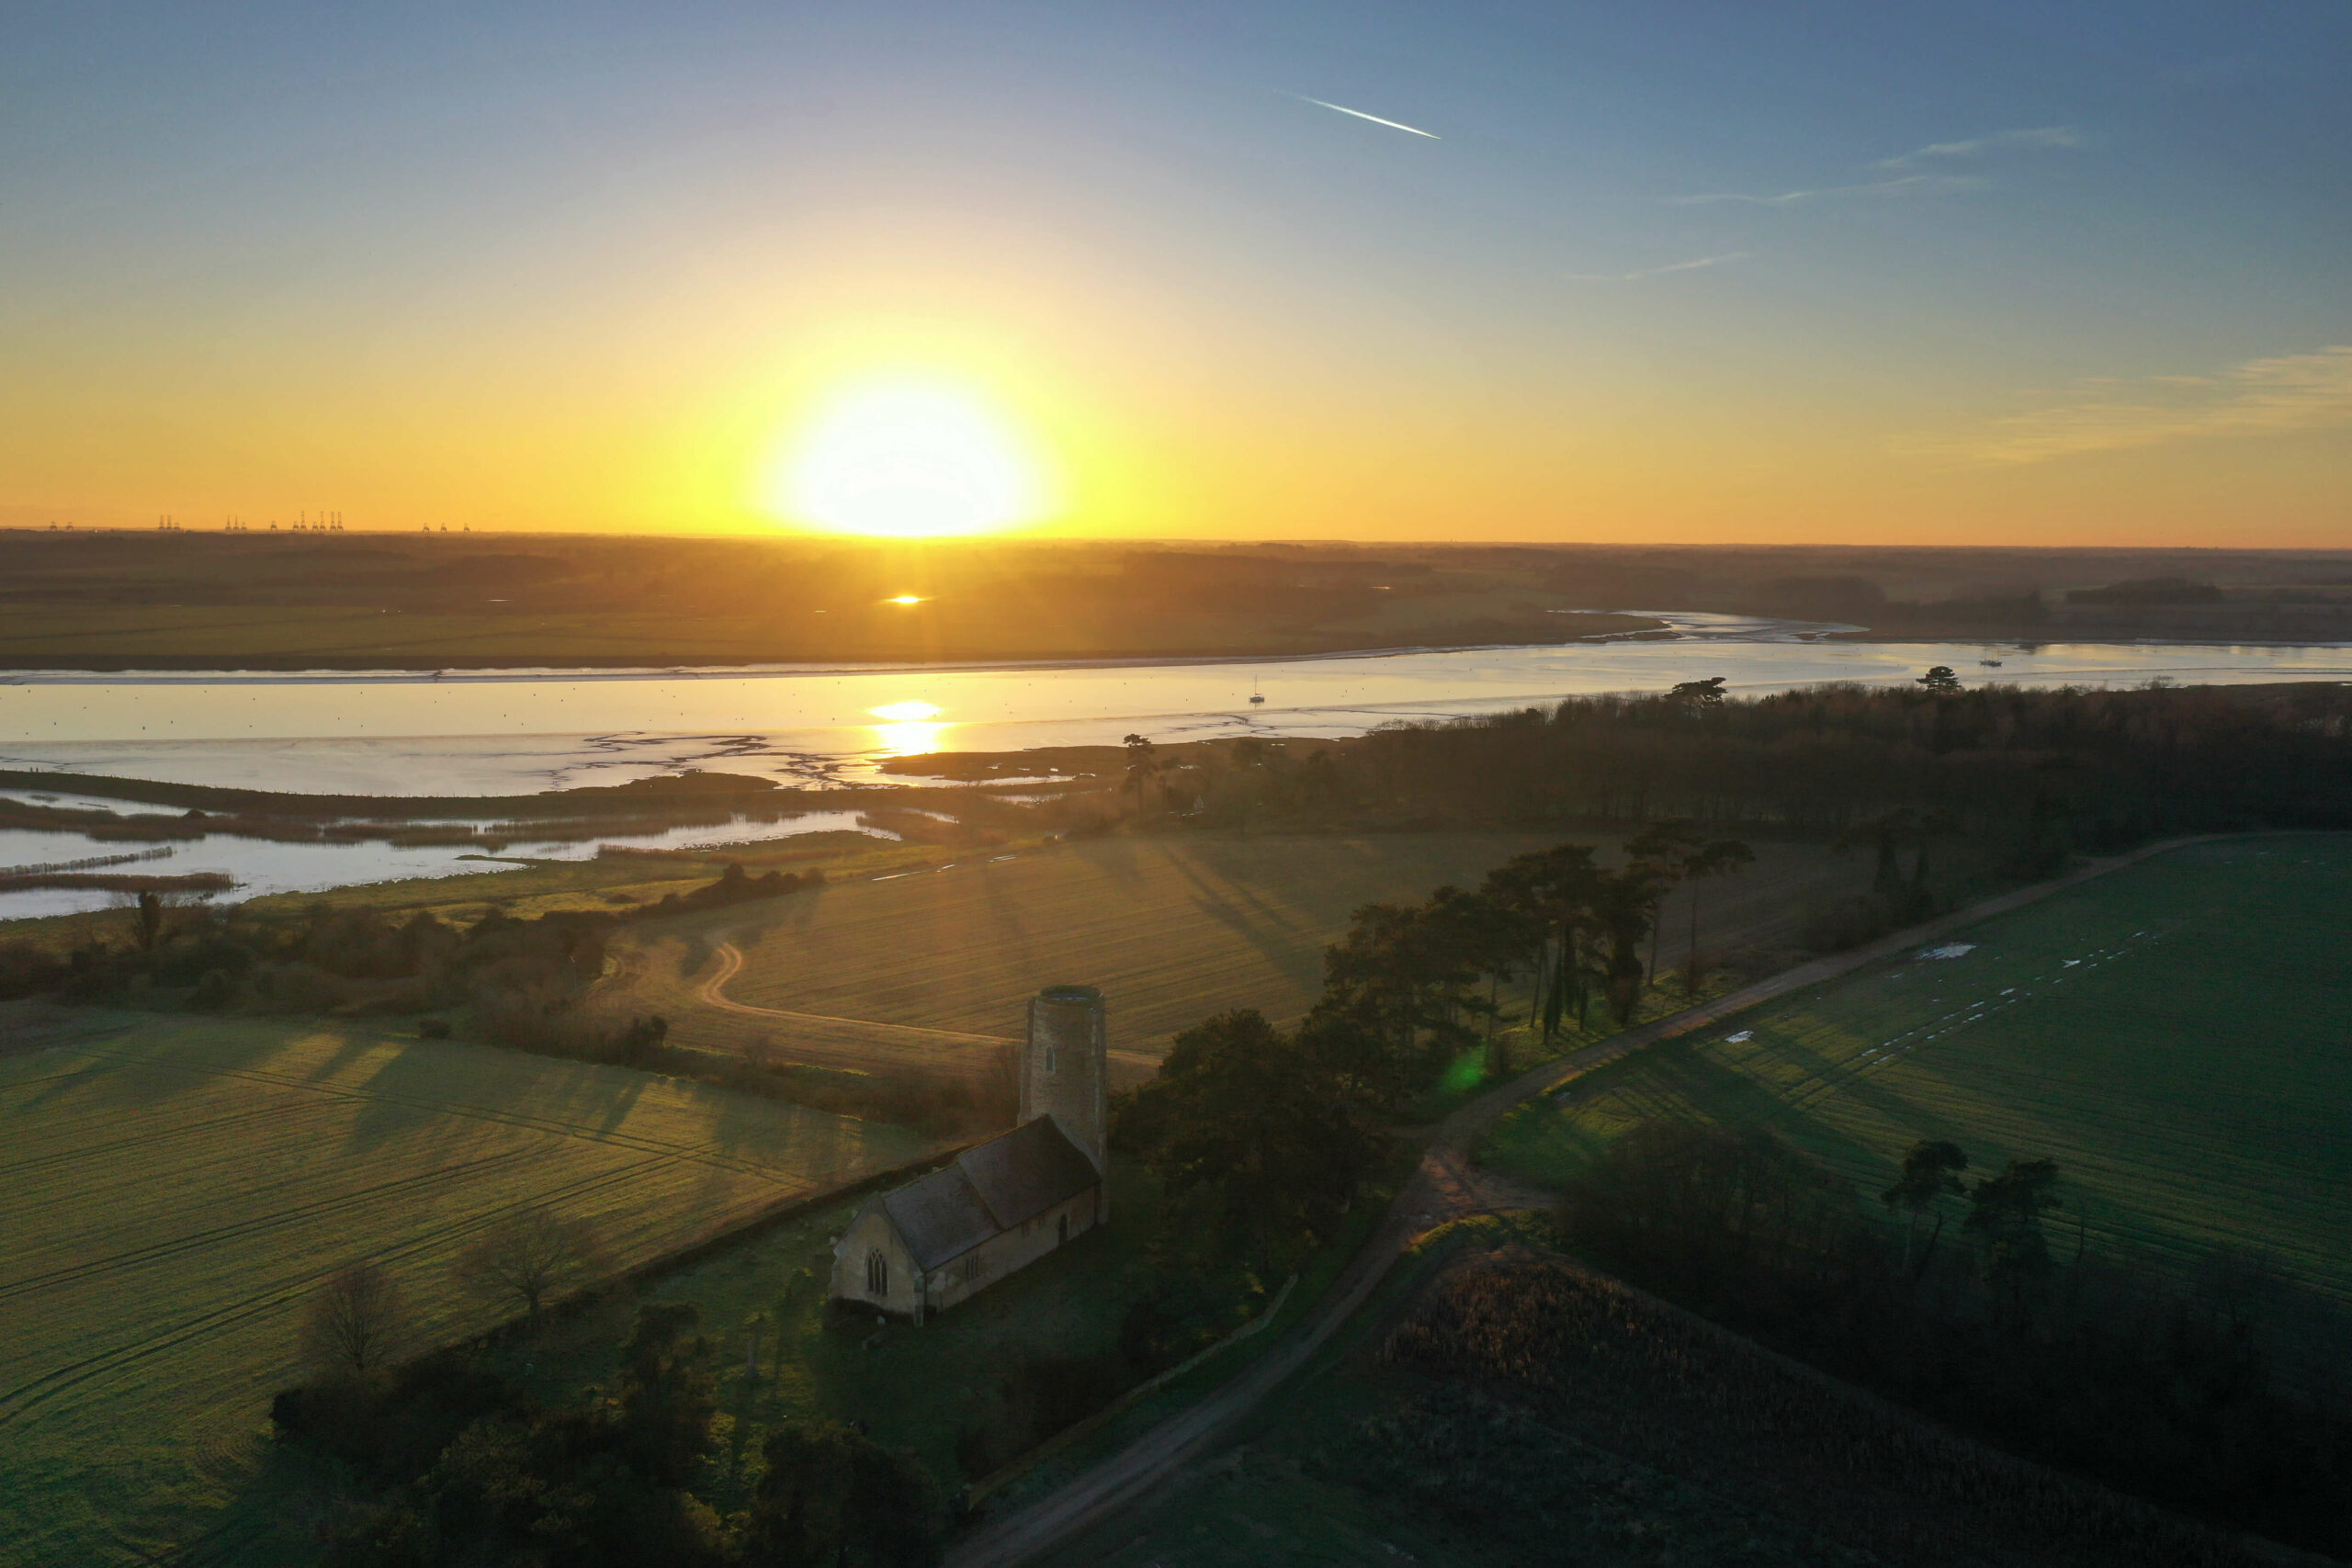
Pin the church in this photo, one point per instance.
(1002, 1205)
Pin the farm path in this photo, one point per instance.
(826, 1041)
(1446, 1186)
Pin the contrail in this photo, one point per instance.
(1726, 258)
(1393, 125)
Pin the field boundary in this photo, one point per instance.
(1443, 1183)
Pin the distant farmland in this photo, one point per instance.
(175, 1187)
(1172, 929)
(2175, 1035)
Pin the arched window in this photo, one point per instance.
(878, 1273)
(1049, 1060)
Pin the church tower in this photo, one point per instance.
(1062, 1067)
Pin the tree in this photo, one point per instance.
(1142, 765)
(665, 1402)
(1930, 1173)
(1676, 853)
(151, 920)
(354, 1321)
(1940, 681)
(1627, 904)
(1553, 892)
(532, 1254)
(1665, 849)
(1699, 696)
(1399, 981)
(834, 1498)
(2006, 1210)
(1722, 857)
(1253, 1134)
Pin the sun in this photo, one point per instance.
(906, 459)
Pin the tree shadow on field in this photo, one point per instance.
(421, 1093)
(1118, 858)
(353, 1045)
(1732, 1098)
(803, 1146)
(1277, 936)
(131, 1060)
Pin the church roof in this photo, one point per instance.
(1022, 1173)
(940, 1216)
(991, 1188)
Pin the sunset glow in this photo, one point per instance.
(906, 460)
(1078, 273)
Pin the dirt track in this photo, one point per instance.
(862, 1043)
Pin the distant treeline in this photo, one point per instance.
(2041, 773)
(520, 984)
(327, 958)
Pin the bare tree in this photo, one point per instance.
(354, 1320)
(533, 1253)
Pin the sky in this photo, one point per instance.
(2001, 273)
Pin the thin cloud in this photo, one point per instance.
(1907, 184)
(1391, 124)
(2277, 396)
(2037, 136)
(1725, 259)
(1905, 174)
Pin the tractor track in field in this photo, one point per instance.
(176, 1130)
(257, 1225)
(25, 1397)
(658, 1155)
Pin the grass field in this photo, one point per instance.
(2174, 1035)
(175, 1187)
(1172, 929)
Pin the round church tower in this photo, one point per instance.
(1062, 1067)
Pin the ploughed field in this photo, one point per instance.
(176, 1188)
(932, 970)
(2175, 1035)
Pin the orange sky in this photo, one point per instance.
(615, 285)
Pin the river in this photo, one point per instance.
(517, 731)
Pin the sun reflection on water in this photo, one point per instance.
(914, 728)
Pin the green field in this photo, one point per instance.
(2174, 1035)
(1172, 929)
(175, 1187)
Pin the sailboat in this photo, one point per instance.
(1257, 698)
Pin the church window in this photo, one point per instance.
(1049, 1061)
(878, 1273)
